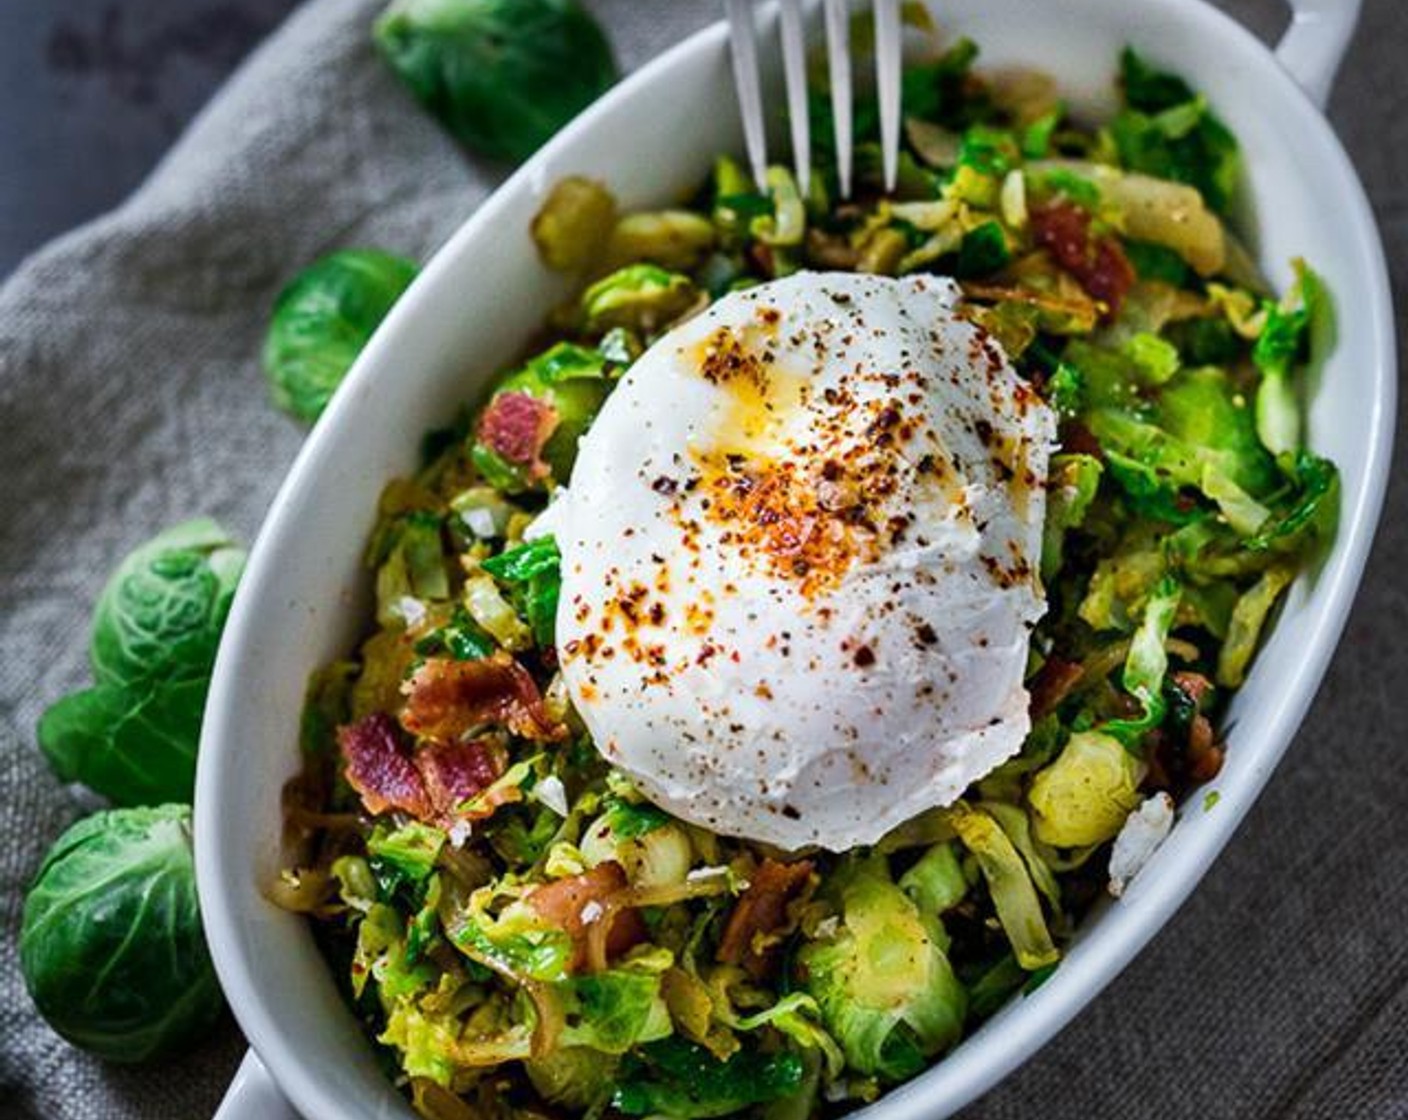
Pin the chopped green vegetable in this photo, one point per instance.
(884, 985)
(414, 571)
(1085, 795)
(1009, 881)
(984, 250)
(615, 1010)
(1248, 618)
(684, 1081)
(1073, 482)
(1156, 262)
(1168, 131)
(412, 849)
(574, 223)
(1284, 343)
(1147, 662)
(787, 223)
(936, 882)
(532, 573)
(573, 1076)
(675, 239)
(641, 297)
(652, 848)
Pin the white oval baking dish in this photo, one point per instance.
(482, 296)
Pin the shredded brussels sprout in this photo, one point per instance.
(517, 925)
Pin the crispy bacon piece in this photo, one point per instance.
(516, 426)
(762, 911)
(381, 768)
(1076, 438)
(1204, 753)
(447, 699)
(575, 903)
(1194, 685)
(429, 783)
(1198, 757)
(1098, 263)
(1053, 683)
(455, 772)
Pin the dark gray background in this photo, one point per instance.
(93, 91)
(1289, 965)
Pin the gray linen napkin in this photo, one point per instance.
(130, 398)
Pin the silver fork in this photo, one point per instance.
(743, 37)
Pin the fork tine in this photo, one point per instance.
(838, 58)
(887, 83)
(794, 64)
(743, 44)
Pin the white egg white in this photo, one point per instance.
(800, 550)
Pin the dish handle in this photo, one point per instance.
(1313, 46)
(252, 1095)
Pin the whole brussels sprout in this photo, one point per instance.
(322, 320)
(111, 947)
(162, 611)
(501, 75)
(133, 736)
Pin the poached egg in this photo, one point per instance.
(800, 552)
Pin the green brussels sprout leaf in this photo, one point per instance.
(883, 983)
(575, 1077)
(1292, 328)
(1147, 663)
(1168, 131)
(614, 1010)
(642, 297)
(1009, 882)
(679, 1079)
(936, 882)
(533, 576)
(133, 737)
(1244, 628)
(1073, 482)
(134, 745)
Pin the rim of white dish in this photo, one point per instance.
(1124, 930)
